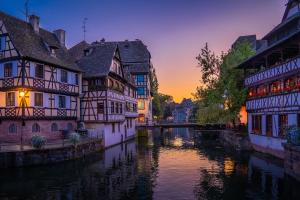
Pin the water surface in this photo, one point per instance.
(176, 164)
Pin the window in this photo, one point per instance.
(38, 99)
(117, 107)
(100, 108)
(39, 71)
(12, 128)
(10, 99)
(8, 70)
(36, 128)
(61, 101)
(76, 79)
(70, 127)
(141, 118)
(140, 78)
(141, 91)
(2, 43)
(290, 83)
(54, 127)
(256, 124)
(269, 125)
(112, 107)
(276, 87)
(283, 122)
(130, 123)
(121, 108)
(141, 105)
(64, 76)
(113, 127)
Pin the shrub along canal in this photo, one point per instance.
(177, 164)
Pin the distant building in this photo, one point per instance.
(273, 83)
(183, 111)
(39, 82)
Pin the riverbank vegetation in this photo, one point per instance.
(221, 94)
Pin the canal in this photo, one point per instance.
(177, 164)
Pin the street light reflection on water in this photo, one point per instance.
(175, 164)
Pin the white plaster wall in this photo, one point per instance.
(292, 119)
(263, 125)
(267, 142)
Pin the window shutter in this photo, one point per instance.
(45, 99)
(32, 69)
(56, 101)
(15, 68)
(70, 77)
(1, 70)
(2, 42)
(58, 72)
(68, 102)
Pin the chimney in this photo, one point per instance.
(35, 23)
(61, 36)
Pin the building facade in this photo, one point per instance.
(136, 59)
(108, 102)
(39, 82)
(272, 79)
(183, 111)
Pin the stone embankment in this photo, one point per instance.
(236, 140)
(49, 155)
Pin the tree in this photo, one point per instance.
(210, 66)
(220, 100)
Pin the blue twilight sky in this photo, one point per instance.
(173, 30)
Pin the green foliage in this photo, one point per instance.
(222, 98)
(154, 83)
(292, 134)
(74, 138)
(161, 105)
(38, 141)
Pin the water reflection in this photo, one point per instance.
(175, 164)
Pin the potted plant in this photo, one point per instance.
(292, 134)
(38, 141)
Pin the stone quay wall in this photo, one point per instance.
(235, 140)
(50, 155)
(292, 160)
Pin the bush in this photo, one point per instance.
(74, 138)
(38, 141)
(292, 134)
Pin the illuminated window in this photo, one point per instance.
(141, 91)
(141, 105)
(141, 118)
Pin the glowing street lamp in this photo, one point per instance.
(22, 94)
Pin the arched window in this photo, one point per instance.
(36, 128)
(70, 126)
(12, 128)
(54, 127)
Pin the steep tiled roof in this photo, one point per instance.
(33, 45)
(98, 61)
(134, 54)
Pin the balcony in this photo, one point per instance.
(273, 72)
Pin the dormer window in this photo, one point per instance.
(87, 52)
(52, 51)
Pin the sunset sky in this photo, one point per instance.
(173, 30)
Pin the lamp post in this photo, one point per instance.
(22, 102)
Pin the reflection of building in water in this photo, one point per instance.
(266, 175)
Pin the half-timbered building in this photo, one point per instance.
(39, 82)
(137, 60)
(273, 81)
(108, 103)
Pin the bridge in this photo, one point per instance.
(186, 125)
